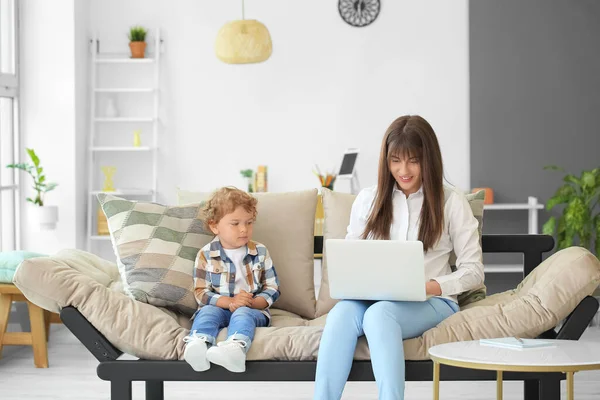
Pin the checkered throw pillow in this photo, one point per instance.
(156, 247)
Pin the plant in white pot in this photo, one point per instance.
(46, 216)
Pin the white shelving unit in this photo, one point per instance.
(532, 206)
(100, 60)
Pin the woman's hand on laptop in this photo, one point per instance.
(433, 288)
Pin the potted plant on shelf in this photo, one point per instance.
(137, 41)
(248, 174)
(580, 219)
(46, 216)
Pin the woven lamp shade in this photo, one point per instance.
(243, 42)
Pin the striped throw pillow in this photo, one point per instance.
(156, 247)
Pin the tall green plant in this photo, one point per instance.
(37, 174)
(580, 218)
(137, 34)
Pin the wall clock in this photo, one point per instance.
(359, 13)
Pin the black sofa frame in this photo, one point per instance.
(537, 386)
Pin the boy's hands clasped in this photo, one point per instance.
(242, 299)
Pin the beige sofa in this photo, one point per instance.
(93, 286)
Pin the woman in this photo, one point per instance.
(410, 202)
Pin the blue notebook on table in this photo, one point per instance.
(515, 343)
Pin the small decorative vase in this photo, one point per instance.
(109, 172)
(111, 108)
(138, 49)
(137, 140)
(45, 216)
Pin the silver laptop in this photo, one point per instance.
(376, 269)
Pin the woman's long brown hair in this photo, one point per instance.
(407, 137)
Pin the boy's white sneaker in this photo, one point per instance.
(195, 353)
(229, 354)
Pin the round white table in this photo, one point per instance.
(566, 356)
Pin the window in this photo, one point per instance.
(9, 132)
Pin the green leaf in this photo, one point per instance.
(572, 179)
(548, 228)
(34, 157)
(29, 199)
(22, 166)
(576, 215)
(588, 180)
(49, 187)
(553, 168)
(246, 173)
(137, 34)
(563, 195)
(42, 179)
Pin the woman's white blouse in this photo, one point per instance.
(459, 234)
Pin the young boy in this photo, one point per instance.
(235, 284)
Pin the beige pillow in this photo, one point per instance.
(337, 208)
(285, 224)
(544, 298)
(156, 247)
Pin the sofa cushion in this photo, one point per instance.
(10, 260)
(156, 247)
(285, 224)
(337, 208)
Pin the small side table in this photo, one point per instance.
(566, 356)
(39, 318)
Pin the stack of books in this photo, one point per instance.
(515, 343)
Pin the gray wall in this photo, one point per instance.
(535, 100)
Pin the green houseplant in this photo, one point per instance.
(248, 174)
(45, 215)
(137, 41)
(580, 219)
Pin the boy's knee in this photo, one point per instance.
(242, 311)
(210, 308)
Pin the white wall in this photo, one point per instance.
(54, 102)
(327, 87)
(48, 114)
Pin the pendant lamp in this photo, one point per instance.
(243, 41)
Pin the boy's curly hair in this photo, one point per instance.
(224, 201)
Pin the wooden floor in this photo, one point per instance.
(72, 375)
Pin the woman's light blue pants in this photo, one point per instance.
(385, 324)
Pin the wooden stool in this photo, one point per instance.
(39, 318)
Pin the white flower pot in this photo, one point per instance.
(45, 216)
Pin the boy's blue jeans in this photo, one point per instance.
(209, 320)
(385, 324)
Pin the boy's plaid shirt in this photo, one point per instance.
(214, 274)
